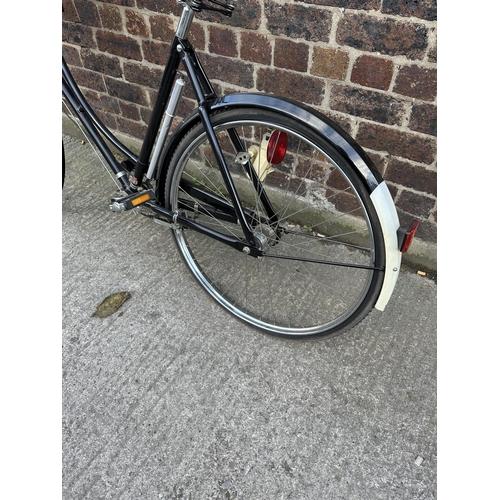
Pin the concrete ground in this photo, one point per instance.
(173, 398)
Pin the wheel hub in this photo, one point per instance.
(265, 236)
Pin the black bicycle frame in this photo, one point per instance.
(166, 85)
(181, 51)
(95, 127)
(201, 84)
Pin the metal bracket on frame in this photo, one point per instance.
(171, 225)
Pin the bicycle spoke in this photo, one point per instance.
(317, 259)
(212, 218)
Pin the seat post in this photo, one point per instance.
(185, 23)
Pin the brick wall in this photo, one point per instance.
(369, 64)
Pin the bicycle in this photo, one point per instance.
(278, 213)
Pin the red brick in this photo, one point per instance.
(69, 12)
(110, 104)
(337, 181)
(278, 178)
(424, 9)
(330, 63)
(130, 111)
(293, 85)
(111, 17)
(255, 48)
(146, 112)
(349, 4)
(155, 52)
(119, 45)
(369, 104)
(298, 21)
(101, 63)
(142, 75)
(127, 91)
(222, 41)
(160, 6)
(424, 118)
(419, 205)
(371, 71)
(397, 143)
(231, 71)
(124, 3)
(291, 55)
(136, 24)
(197, 36)
(385, 35)
(88, 13)
(88, 79)
(162, 28)
(411, 176)
(130, 127)
(77, 34)
(71, 55)
(345, 202)
(418, 82)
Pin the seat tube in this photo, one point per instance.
(166, 85)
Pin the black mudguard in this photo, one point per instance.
(332, 132)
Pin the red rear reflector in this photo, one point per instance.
(408, 237)
(276, 148)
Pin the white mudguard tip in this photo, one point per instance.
(382, 200)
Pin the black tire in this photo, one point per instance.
(325, 213)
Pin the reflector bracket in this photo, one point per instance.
(408, 237)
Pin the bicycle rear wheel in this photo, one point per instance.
(321, 273)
